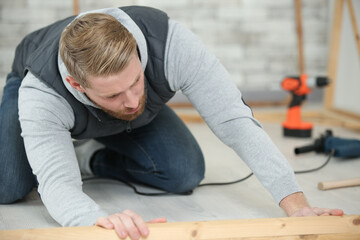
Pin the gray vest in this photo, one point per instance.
(38, 54)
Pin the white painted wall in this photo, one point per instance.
(347, 88)
(254, 39)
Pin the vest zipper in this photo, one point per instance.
(128, 127)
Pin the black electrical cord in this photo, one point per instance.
(331, 154)
(149, 194)
(154, 194)
(226, 183)
(170, 193)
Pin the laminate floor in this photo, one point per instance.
(243, 200)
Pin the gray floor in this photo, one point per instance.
(240, 201)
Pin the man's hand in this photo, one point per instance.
(296, 205)
(127, 223)
(307, 211)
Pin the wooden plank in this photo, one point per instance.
(334, 53)
(346, 119)
(352, 182)
(354, 25)
(327, 227)
(299, 31)
(260, 103)
(336, 112)
(191, 118)
(76, 7)
(326, 117)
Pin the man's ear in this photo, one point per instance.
(74, 84)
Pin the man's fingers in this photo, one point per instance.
(127, 223)
(336, 212)
(120, 229)
(158, 220)
(104, 222)
(315, 211)
(328, 212)
(321, 211)
(135, 224)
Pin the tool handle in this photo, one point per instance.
(305, 149)
(296, 100)
(339, 184)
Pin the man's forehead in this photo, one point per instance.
(113, 84)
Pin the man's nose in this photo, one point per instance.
(131, 100)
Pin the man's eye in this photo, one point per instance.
(112, 97)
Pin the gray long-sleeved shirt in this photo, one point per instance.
(46, 118)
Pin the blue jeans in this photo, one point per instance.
(163, 154)
(16, 177)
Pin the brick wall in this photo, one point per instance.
(254, 39)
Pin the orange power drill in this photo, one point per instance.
(299, 87)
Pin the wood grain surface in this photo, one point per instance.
(329, 227)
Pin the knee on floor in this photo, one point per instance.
(10, 193)
(185, 179)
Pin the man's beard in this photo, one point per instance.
(123, 114)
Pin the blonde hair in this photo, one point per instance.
(96, 44)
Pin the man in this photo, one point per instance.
(106, 76)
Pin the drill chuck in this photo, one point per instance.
(315, 82)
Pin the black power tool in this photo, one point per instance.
(346, 148)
